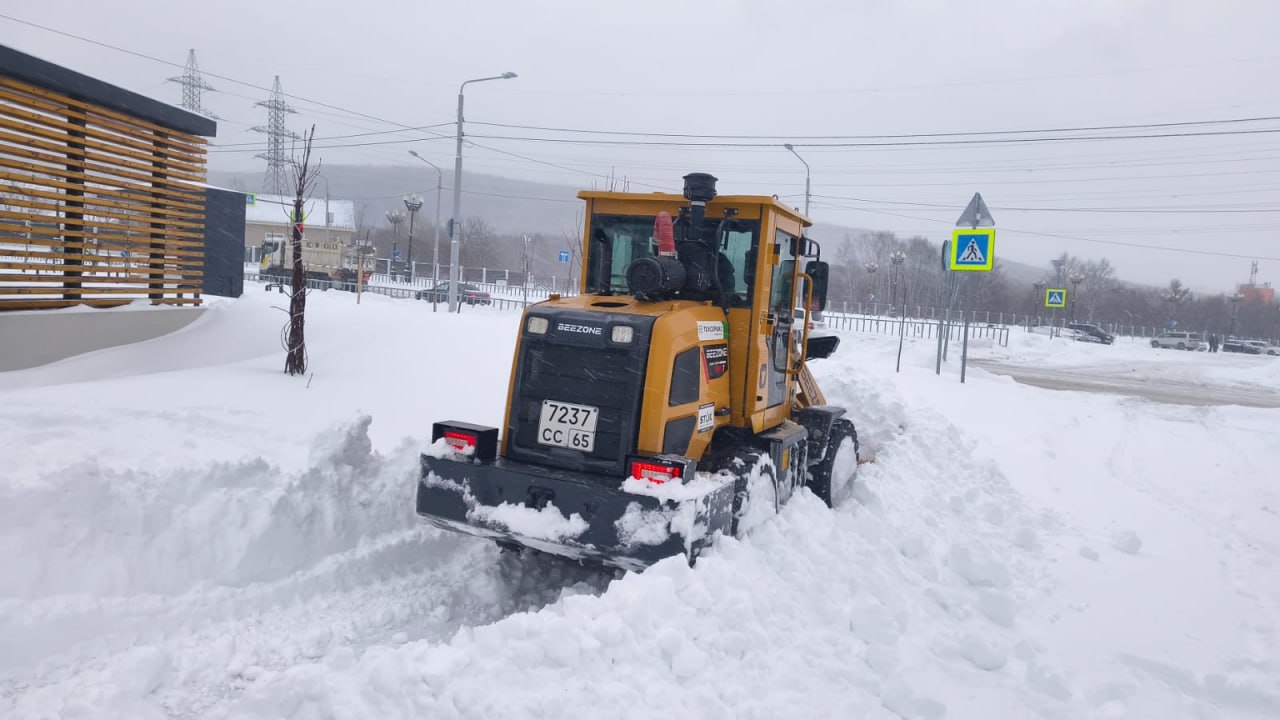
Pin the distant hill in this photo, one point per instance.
(510, 206)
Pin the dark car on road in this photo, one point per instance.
(467, 293)
(1240, 346)
(1093, 333)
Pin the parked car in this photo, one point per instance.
(467, 293)
(1264, 348)
(1179, 340)
(1065, 333)
(1240, 346)
(1093, 333)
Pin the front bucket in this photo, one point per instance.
(628, 524)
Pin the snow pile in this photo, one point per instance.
(217, 540)
(88, 529)
(546, 523)
(830, 614)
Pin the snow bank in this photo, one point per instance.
(88, 529)
(239, 544)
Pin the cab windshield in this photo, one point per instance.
(618, 240)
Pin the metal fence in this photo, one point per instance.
(916, 328)
(403, 292)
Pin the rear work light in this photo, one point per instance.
(660, 470)
(465, 438)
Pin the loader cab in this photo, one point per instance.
(765, 268)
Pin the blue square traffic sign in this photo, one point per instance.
(973, 249)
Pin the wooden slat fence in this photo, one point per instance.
(96, 207)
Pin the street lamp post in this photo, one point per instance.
(897, 258)
(395, 217)
(454, 223)
(1039, 286)
(435, 252)
(806, 176)
(871, 269)
(1076, 278)
(412, 203)
(1235, 305)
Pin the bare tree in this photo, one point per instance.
(304, 179)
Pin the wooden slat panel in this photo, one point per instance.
(141, 234)
(68, 166)
(31, 137)
(60, 127)
(33, 304)
(138, 219)
(89, 183)
(77, 240)
(137, 289)
(107, 264)
(189, 210)
(62, 166)
(99, 261)
(123, 123)
(188, 278)
(91, 201)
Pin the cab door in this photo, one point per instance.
(781, 319)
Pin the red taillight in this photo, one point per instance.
(654, 472)
(459, 442)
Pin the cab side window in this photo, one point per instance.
(781, 298)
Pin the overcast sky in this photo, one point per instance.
(783, 70)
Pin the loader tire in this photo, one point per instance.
(753, 501)
(840, 459)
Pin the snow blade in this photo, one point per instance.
(576, 515)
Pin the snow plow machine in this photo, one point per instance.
(668, 402)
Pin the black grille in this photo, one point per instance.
(585, 369)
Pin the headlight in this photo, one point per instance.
(622, 333)
(537, 325)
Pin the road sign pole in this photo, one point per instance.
(964, 350)
(942, 290)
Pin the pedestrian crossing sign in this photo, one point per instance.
(1055, 297)
(973, 249)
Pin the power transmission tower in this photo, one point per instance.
(192, 84)
(276, 180)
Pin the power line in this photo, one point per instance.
(894, 143)
(1119, 243)
(254, 146)
(401, 141)
(1085, 128)
(1012, 208)
(153, 58)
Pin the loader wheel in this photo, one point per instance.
(1155, 344)
(832, 479)
(753, 499)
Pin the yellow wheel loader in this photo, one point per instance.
(668, 402)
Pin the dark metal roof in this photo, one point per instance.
(33, 70)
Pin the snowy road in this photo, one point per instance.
(176, 547)
(1126, 381)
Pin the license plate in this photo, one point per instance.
(567, 425)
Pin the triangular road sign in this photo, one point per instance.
(976, 214)
(973, 254)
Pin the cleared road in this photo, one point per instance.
(1087, 379)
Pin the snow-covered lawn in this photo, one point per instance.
(187, 532)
